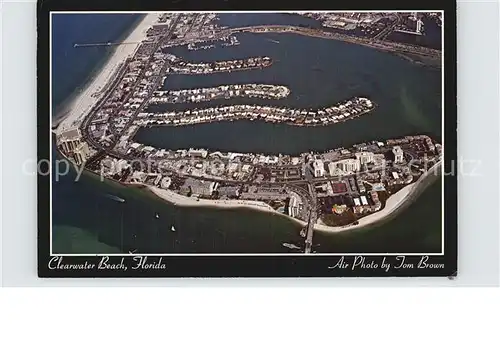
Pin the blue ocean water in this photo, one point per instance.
(72, 67)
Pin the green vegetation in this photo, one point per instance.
(339, 220)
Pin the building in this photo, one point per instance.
(365, 157)
(293, 205)
(419, 26)
(228, 191)
(198, 153)
(69, 140)
(349, 165)
(398, 154)
(361, 186)
(166, 182)
(375, 200)
(319, 168)
(198, 187)
(81, 153)
(364, 201)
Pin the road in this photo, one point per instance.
(313, 217)
(95, 143)
(388, 30)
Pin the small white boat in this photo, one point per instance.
(172, 228)
(157, 215)
(115, 198)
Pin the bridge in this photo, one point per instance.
(312, 218)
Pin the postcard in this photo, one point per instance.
(256, 142)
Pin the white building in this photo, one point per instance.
(198, 153)
(398, 154)
(364, 201)
(349, 165)
(319, 168)
(81, 153)
(365, 157)
(419, 26)
(69, 140)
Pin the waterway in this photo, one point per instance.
(85, 219)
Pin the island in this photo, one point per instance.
(336, 190)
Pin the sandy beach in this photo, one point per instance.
(179, 200)
(393, 203)
(84, 101)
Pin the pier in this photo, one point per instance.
(86, 45)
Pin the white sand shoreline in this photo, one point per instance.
(393, 203)
(184, 201)
(84, 101)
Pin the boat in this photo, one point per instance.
(172, 228)
(291, 246)
(157, 215)
(116, 198)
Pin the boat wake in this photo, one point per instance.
(115, 198)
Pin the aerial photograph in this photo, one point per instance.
(246, 133)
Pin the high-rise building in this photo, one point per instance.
(81, 153)
(319, 168)
(398, 154)
(365, 157)
(349, 165)
(69, 140)
(419, 26)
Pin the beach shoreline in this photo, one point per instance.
(184, 201)
(83, 102)
(393, 203)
